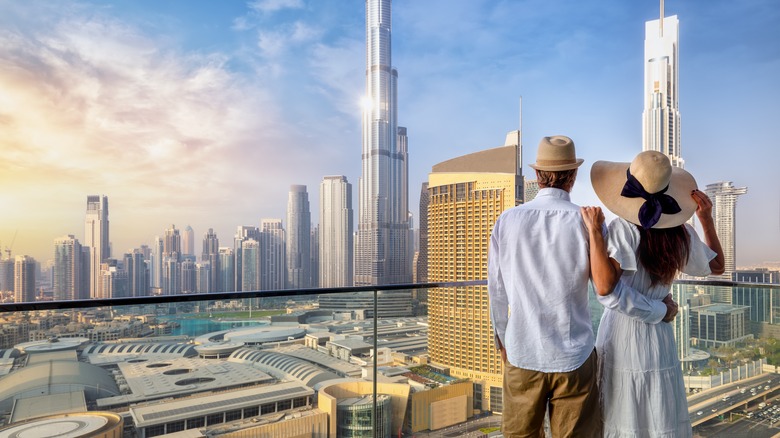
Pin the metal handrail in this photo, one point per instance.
(181, 298)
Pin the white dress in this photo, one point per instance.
(641, 383)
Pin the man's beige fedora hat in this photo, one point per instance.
(647, 192)
(556, 153)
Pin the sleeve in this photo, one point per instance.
(622, 242)
(628, 301)
(499, 304)
(699, 257)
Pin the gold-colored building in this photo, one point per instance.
(467, 194)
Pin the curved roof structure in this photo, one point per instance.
(87, 424)
(282, 366)
(49, 345)
(105, 354)
(54, 377)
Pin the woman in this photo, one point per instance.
(641, 384)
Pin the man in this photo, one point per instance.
(538, 273)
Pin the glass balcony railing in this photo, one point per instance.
(315, 362)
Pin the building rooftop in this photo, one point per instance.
(165, 412)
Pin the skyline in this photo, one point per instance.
(205, 115)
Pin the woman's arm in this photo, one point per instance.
(604, 271)
(704, 213)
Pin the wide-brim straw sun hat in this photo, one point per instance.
(640, 191)
(556, 153)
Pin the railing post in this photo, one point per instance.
(376, 316)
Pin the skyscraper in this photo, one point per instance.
(226, 275)
(422, 256)
(188, 241)
(298, 238)
(661, 115)
(68, 282)
(114, 279)
(314, 258)
(171, 259)
(336, 231)
(724, 208)
(273, 272)
(156, 265)
(137, 273)
(96, 239)
(210, 254)
(250, 265)
(172, 243)
(243, 233)
(381, 255)
(467, 194)
(24, 279)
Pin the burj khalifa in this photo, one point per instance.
(382, 243)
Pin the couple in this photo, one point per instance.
(542, 256)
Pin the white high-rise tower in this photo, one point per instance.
(381, 256)
(96, 238)
(724, 208)
(661, 115)
(336, 229)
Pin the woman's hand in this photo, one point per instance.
(704, 213)
(704, 205)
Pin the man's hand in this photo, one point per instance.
(671, 308)
(503, 355)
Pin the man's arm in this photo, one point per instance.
(499, 304)
(628, 301)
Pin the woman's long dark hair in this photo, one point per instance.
(663, 252)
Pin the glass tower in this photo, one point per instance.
(298, 238)
(381, 255)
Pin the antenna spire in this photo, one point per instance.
(661, 21)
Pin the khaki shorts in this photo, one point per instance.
(571, 398)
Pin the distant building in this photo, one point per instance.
(531, 189)
(137, 273)
(298, 240)
(69, 280)
(243, 233)
(226, 274)
(719, 325)
(467, 195)
(114, 279)
(250, 265)
(210, 254)
(335, 232)
(422, 253)
(273, 260)
(24, 279)
(724, 211)
(661, 115)
(188, 241)
(381, 256)
(96, 239)
(762, 301)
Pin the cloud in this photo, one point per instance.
(266, 6)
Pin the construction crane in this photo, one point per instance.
(10, 247)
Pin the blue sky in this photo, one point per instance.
(204, 113)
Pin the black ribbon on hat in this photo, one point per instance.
(655, 203)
